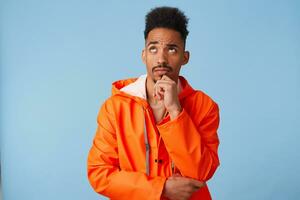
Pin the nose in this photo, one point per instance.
(162, 58)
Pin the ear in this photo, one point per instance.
(144, 56)
(186, 57)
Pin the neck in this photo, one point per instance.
(149, 89)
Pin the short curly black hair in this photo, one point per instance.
(167, 17)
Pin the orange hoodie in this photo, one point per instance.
(132, 156)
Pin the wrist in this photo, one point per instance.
(175, 112)
(166, 188)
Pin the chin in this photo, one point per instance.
(155, 79)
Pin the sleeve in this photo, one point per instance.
(193, 148)
(103, 169)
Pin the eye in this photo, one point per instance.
(172, 50)
(153, 49)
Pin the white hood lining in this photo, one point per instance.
(138, 88)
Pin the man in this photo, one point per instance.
(156, 136)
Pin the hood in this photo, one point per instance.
(136, 88)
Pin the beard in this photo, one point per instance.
(163, 66)
(154, 80)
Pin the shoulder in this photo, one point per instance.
(117, 104)
(110, 103)
(202, 99)
(200, 105)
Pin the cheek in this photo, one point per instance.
(176, 61)
(150, 60)
(149, 65)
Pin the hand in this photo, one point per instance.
(181, 188)
(166, 89)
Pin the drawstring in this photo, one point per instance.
(146, 145)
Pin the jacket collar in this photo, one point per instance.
(136, 88)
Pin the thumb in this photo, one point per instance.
(198, 184)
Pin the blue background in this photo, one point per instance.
(58, 59)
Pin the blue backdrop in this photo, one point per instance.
(58, 59)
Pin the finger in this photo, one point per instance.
(158, 93)
(161, 93)
(198, 184)
(157, 84)
(154, 92)
(165, 86)
(160, 87)
(165, 77)
(165, 81)
(157, 96)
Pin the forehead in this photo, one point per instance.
(164, 36)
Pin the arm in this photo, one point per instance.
(191, 145)
(193, 148)
(104, 172)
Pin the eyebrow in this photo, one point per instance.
(153, 42)
(172, 45)
(156, 42)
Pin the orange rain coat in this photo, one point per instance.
(122, 166)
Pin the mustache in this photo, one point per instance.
(162, 66)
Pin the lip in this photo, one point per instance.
(161, 70)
